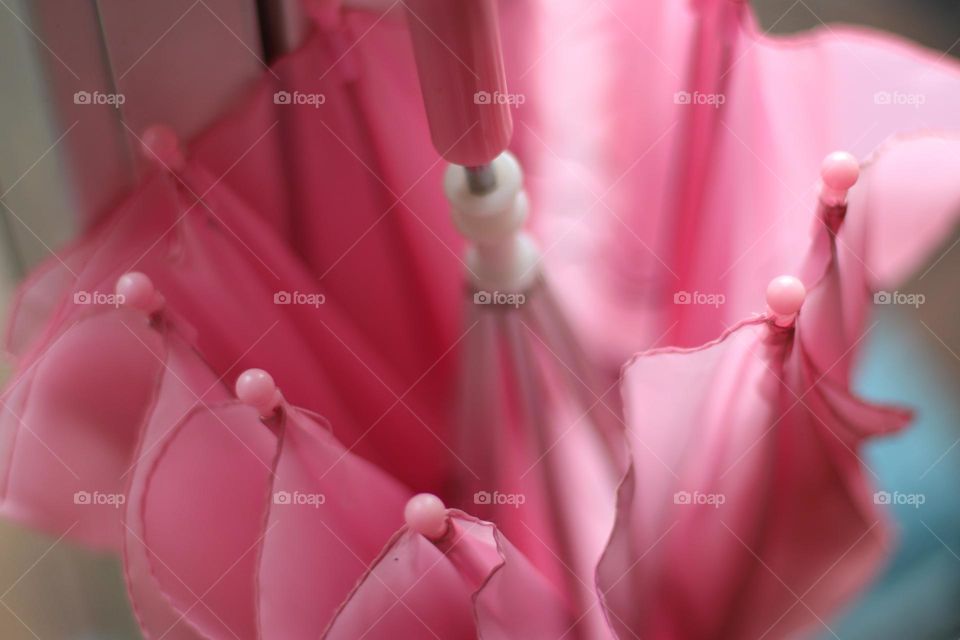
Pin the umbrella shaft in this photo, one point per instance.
(481, 179)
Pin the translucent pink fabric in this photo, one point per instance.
(533, 458)
(397, 361)
(714, 198)
(208, 265)
(286, 533)
(215, 239)
(768, 523)
(909, 185)
(315, 550)
(185, 388)
(746, 511)
(470, 584)
(281, 522)
(68, 426)
(212, 260)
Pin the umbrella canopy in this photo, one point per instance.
(280, 519)
(243, 299)
(465, 581)
(67, 424)
(746, 510)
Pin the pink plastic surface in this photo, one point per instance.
(460, 66)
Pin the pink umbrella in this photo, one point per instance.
(264, 521)
(746, 511)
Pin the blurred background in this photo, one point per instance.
(50, 589)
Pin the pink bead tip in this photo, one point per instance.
(257, 388)
(785, 295)
(136, 290)
(161, 146)
(426, 514)
(839, 171)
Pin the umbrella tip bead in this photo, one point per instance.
(257, 388)
(161, 146)
(136, 290)
(840, 170)
(838, 173)
(785, 296)
(426, 514)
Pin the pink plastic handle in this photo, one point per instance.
(457, 48)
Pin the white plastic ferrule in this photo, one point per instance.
(501, 256)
